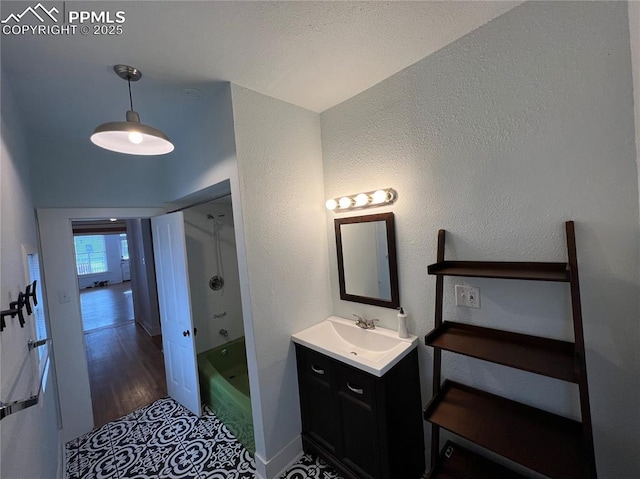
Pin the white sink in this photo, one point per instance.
(372, 350)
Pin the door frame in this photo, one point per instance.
(65, 318)
(58, 267)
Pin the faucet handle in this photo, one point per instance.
(359, 318)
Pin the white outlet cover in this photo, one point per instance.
(63, 296)
(467, 296)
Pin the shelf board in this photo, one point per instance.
(504, 270)
(457, 462)
(549, 357)
(537, 439)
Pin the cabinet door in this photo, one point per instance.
(319, 420)
(360, 432)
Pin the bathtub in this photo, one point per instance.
(224, 386)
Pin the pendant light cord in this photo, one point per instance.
(130, 97)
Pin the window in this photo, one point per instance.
(91, 254)
(32, 273)
(124, 247)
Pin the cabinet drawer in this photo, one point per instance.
(357, 385)
(316, 365)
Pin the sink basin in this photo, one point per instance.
(375, 351)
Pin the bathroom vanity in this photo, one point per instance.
(366, 422)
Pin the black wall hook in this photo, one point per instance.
(15, 307)
(5, 313)
(30, 292)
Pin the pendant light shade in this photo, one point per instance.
(131, 137)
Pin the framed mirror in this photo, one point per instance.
(367, 263)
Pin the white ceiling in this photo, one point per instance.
(314, 54)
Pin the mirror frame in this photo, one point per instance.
(391, 250)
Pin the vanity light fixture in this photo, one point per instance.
(362, 200)
(331, 204)
(131, 137)
(345, 203)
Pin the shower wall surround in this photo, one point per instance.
(221, 309)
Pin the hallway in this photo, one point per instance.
(126, 365)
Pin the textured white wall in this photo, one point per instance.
(281, 185)
(210, 155)
(81, 175)
(29, 444)
(634, 33)
(499, 138)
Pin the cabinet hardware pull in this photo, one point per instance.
(355, 389)
(317, 370)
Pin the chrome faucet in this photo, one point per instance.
(365, 323)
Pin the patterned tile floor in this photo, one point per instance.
(164, 440)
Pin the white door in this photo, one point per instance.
(170, 251)
(126, 269)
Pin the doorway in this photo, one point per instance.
(56, 240)
(216, 303)
(124, 358)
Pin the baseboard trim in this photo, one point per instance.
(278, 464)
(155, 331)
(62, 460)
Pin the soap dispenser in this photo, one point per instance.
(402, 324)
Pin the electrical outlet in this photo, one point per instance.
(467, 296)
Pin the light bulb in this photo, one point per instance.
(135, 137)
(345, 202)
(331, 204)
(362, 199)
(378, 197)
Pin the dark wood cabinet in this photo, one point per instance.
(360, 435)
(367, 427)
(550, 444)
(318, 407)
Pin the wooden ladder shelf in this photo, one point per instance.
(563, 448)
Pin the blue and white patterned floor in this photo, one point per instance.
(164, 440)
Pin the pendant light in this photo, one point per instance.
(131, 137)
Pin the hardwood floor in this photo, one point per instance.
(106, 306)
(126, 365)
